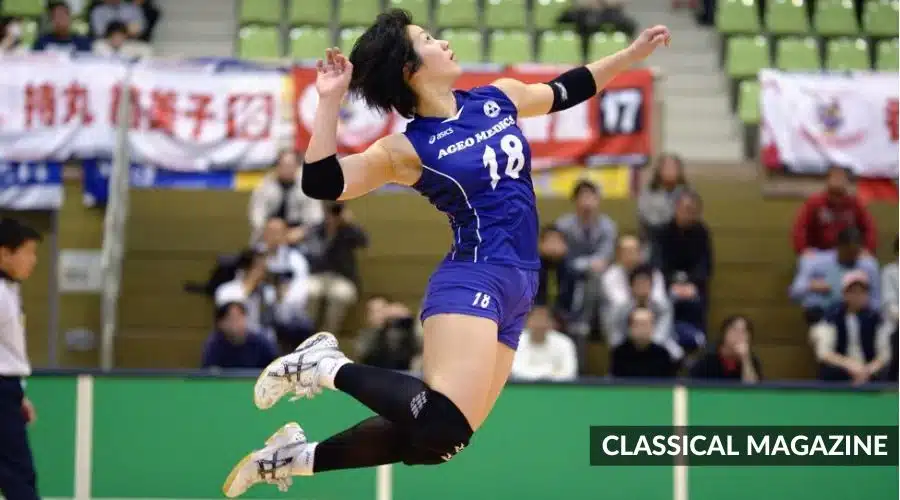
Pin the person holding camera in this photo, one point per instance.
(334, 284)
(288, 272)
(391, 341)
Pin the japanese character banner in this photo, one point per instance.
(183, 116)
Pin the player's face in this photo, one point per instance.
(19, 263)
(437, 56)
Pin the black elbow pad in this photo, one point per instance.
(572, 88)
(323, 179)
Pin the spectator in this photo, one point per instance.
(10, 36)
(638, 355)
(393, 344)
(733, 359)
(279, 195)
(376, 317)
(686, 258)
(817, 285)
(616, 286)
(151, 16)
(544, 353)
(233, 345)
(288, 270)
(115, 43)
(889, 294)
(551, 277)
(590, 239)
(824, 215)
(656, 204)
(335, 280)
(852, 343)
(116, 10)
(61, 38)
(641, 296)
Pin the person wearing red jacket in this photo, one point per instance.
(826, 214)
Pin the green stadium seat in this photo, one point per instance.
(546, 12)
(746, 55)
(307, 12)
(846, 54)
(748, 102)
(467, 44)
(358, 12)
(22, 8)
(604, 44)
(308, 42)
(505, 14)
(510, 47)
(418, 8)
(29, 32)
(880, 18)
(258, 42)
(457, 13)
(835, 18)
(348, 37)
(560, 47)
(797, 54)
(737, 17)
(887, 56)
(786, 17)
(259, 12)
(80, 26)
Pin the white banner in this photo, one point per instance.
(183, 116)
(811, 121)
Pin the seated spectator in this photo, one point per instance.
(60, 38)
(116, 10)
(590, 240)
(616, 286)
(233, 345)
(817, 285)
(393, 344)
(10, 36)
(656, 204)
(824, 215)
(638, 355)
(251, 288)
(552, 275)
(151, 16)
(279, 195)
(852, 343)
(334, 284)
(115, 43)
(288, 269)
(733, 358)
(376, 316)
(686, 260)
(544, 353)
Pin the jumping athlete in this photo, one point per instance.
(464, 152)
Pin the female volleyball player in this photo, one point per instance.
(465, 153)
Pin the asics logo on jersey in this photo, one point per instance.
(479, 136)
(440, 136)
(492, 109)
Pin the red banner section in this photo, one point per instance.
(613, 128)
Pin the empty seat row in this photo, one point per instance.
(789, 17)
(447, 13)
(745, 56)
(503, 47)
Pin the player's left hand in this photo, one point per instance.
(28, 411)
(649, 40)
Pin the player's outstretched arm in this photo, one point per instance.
(580, 84)
(324, 176)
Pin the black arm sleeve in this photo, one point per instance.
(323, 179)
(572, 88)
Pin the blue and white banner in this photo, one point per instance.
(96, 174)
(31, 185)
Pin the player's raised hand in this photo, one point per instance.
(333, 74)
(649, 40)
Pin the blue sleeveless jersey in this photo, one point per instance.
(476, 168)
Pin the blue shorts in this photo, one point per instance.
(500, 293)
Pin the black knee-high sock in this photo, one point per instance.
(386, 392)
(374, 441)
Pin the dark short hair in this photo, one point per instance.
(731, 320)
(14, 234)
(223, 310)
(115, 27)
(645, 270)
(382, 59)
(850, 235)
(585, 185)
(51, 6)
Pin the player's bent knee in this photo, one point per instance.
(440, 430)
